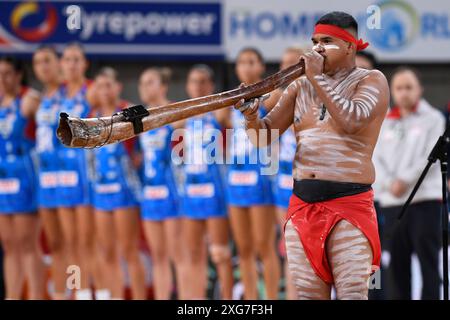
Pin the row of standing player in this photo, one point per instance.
(67, 190)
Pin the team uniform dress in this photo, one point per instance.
(47, 147)
(116, 183)
(246, 186)
(75, 165)
(204, 194)
(160, 195)
(17, 174)
(283, 181)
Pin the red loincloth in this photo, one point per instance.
(314, 222)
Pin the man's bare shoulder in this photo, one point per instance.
(375, 86)
(375, 81)
(375, 76)
(297, 85)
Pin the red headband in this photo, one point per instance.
(341, 34)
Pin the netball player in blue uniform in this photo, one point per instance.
(250, 194)
(19, 227)
(74, 187)
(47, 71)
(115, 199)
(283, 183)
(203, 200)
(159, 208)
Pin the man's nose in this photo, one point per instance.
(319, 48)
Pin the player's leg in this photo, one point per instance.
(162, 275)
(12, 265)
(241, 228)
(219, 249)
(128, 231)
(194, 236)
(110, 275)
(173, 233)
(263, 223)
(27, 228)
(69, 228)
(86, 244)
(55, 241)
(308, 285)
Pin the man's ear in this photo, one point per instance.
(349, 47)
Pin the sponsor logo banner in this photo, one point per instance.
(408, 30)
(114, 27)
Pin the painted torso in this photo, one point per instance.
(287, 152)
(324, 150)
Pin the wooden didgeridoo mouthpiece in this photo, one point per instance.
(96, 132)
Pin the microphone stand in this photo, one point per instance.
(439, 152)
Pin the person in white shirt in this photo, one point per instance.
(407, 136)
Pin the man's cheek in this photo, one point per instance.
(328, 61)
(331, 56)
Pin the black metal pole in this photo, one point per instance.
(439, 152)
(416, 187)
(445, 222)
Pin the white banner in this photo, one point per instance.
(409, 30)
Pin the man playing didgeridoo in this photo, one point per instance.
(337, 109)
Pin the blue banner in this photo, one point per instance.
(114, 28)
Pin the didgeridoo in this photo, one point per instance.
(96, 132)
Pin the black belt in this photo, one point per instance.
(313, 190)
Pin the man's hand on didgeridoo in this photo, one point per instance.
(249, 109)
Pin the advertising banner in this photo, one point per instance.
(150, 28)
(400, 30)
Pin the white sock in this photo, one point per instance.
(102, 294)
(83, 294)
